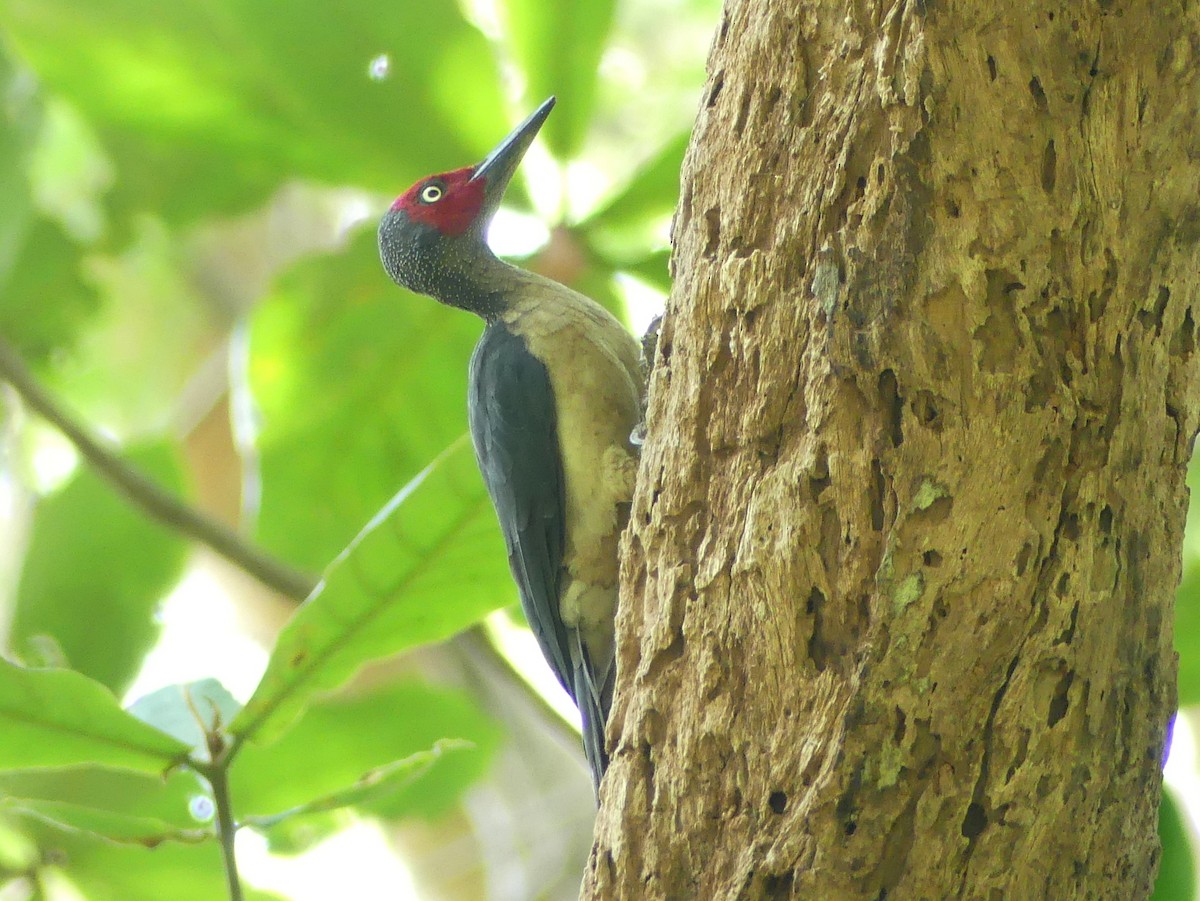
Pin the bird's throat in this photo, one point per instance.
(472, 278)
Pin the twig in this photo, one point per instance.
(217, 774)
(146, 495)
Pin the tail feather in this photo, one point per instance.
(594, 698)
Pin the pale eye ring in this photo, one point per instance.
(431, 193)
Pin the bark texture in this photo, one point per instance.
(897, 602)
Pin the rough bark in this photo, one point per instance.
(898, 586)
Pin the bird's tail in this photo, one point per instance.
(593, 694)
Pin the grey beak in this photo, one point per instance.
(498, 167)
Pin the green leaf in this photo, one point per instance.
(427, 566)
(1177, 868)
(104, 871)
(68, 173)
(181, 800)
(652, 192)
(53, 718)
(46, 297)
(377, 785)
(115, 827)
(96, 570)
(1187, 632)
(188, 712)
(558, 45)
(339, 739)
(208, 105)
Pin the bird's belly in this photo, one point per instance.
(597, 408)
(598, 469)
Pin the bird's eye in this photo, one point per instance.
(431, 193)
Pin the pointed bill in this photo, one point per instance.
(498, 167)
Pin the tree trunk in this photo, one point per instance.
(897, 604)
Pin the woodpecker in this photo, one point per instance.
(553, 398)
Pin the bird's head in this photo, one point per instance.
(432, 238)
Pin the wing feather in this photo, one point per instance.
(514, 429)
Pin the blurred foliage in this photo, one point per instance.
(217, 102)
(86, 516)
(1177, 872)
(187, 204)
(332, 340)
(558, 47)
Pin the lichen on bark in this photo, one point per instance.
(897, 590)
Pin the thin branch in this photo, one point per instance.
(148, 496)
(217, 774)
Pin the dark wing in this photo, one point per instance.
(510, 405)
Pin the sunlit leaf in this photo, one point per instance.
(425, 568)
(625, 231)
(44, 296)
(17, 851)
(52, 718)
(207, 105)
(95, 571)
(558, 45)
(68, 173)
(130, 368)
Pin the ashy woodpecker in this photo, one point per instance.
(553, 397)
